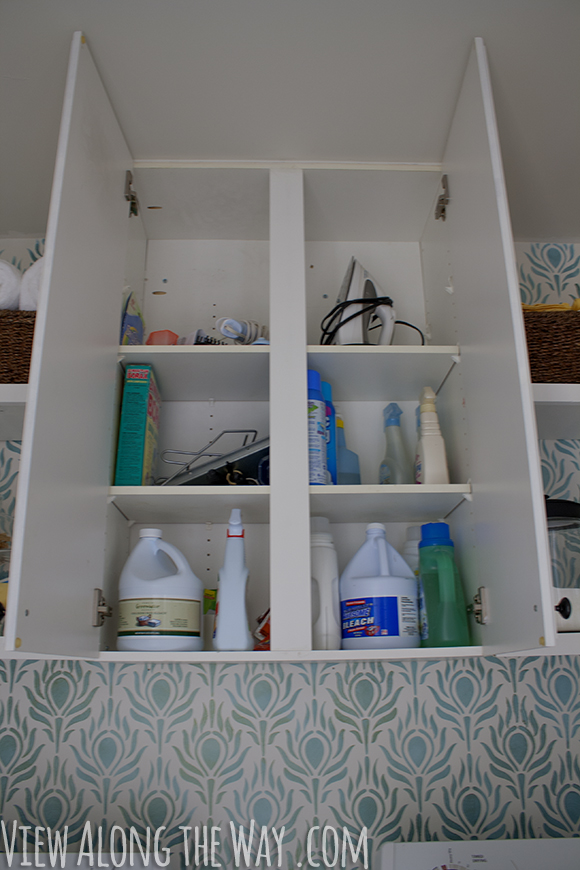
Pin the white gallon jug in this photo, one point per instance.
(160, 599)
(378, 597)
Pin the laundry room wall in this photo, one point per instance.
(416, 750)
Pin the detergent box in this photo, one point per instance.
(138, 428)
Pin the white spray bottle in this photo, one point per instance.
(231, 631)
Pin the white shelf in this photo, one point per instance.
(367, 373)
(557, 410)
(409, 503)
(12, 407)
(296, 655)
(196, 373)
(191, 504)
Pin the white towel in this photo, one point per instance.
(10, 279)
(30, 286)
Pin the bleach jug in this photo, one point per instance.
(326, 631)
(441, 589)
(378, 597)
(159, 599)
(231, 628)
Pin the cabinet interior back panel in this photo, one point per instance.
(367, 205)
(204, 203)
(190, 284)
(395, 266)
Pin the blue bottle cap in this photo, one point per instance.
(327, 392)
(314, 381)
(435, 533)
(392, 414)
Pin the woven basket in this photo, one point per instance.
(553, 346)
(16, 334)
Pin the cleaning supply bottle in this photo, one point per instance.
(431, 461)
(316, 430)
(396, 465)
(326, 629)
(231, 630)
(378, 597)
(330, 432)
(410, 554)
(442, 590)
(347, 465)
(160, 599)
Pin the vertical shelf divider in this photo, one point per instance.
(289, 495)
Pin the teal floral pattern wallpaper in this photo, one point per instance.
(472, 748)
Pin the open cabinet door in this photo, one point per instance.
(59, 535)
(503, 534)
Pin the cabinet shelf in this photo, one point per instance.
(367, 373)
(557, 410)
(189, 373)
(191, 504)
(12, 407)
(408, 503)
(296, 655)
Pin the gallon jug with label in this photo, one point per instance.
(160, 599)
(231, 626)
(442, 590)
(326, 630)
(378, 597)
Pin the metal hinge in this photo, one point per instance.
(443, 200)
(130, 194)
(100, 608)
(480, 608)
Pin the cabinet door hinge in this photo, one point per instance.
(480, 608)
(443, 200)
(130, 194)
(101, 609)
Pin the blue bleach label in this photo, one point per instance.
(370, 617)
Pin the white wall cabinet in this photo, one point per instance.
(271, 242)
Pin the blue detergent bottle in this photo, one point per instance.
(330, 432)
(348, 470)
(316, 430)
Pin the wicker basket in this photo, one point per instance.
(16, 334)
(553, 346)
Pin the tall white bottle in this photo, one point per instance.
(231, 631)
(431, 461)
(160, 599)
(326, 628)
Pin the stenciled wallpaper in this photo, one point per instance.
(470, 748)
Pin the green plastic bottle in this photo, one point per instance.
(441, 590)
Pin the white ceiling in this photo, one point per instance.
(338, 80)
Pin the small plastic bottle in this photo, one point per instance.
(231, 631)
(431, 462)
(160, 599)
(348, 470)
(330, 432)
(326, 628)
(396, 466)
(378, 597)
(442, 589)
(316, 430)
